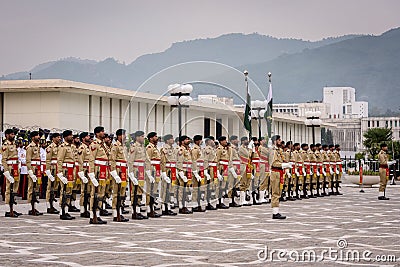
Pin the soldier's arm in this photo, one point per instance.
(4, 158)
(179, 159)
(276, 163)
(49, 151)
(113, 157)
(29, 158)
(60, 158)
(92, 157)
(131, 158)
(163, 160)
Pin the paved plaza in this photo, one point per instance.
(331, 227)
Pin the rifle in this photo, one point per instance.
(52, 196)
(34, 198)
(95, 204)
(64, 202)
(208, 192)
(12, 200)
(151, 197)
(119, 203)
(86, 196)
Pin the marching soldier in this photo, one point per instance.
(332, 168)
(264, 151)
(65, 172)
(153, 173)
(289, 157)
(277, 167)
(339, 169)
(9, 162)
(319, 167)
(23, 169)
(224, 155)
(184, 166)
(313, 170)
(326, 170)
(299, 171)
(51, 172)
(137, 164)
(77, 180)
(33, 165)
(245, 170)
(119, 171)
(98, 173)
(306, 169)
(198, 172)
(83, 166)
(210, 170)
(383, 171)
(168, 168)
(234, 175)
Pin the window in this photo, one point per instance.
(395, 123)
(386, 124)
(206, 127)
(373, 123)
(377, 123)
(391, 124)
(344, 96)
(218, 128)
(369, 124)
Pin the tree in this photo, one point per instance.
(326, 136)
(374, 137)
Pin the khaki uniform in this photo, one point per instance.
(210, 164)
(108, 189)
(313, 168)
(119, 164)
(264, 168)
(338, 165)
(235, 159)
(299, 167)
(51, 165)
(168, 165)
(332, 164)
(184, 163)
(383, 170)
(154, 158)
(98, 164)
(286, 158)
(245, 169)
(83, 162)
(307, 168)
(10, 163)
(66, 165)
(277, 159)
(255, 160)
(138, 162)
(223, 159)
(319, 164)
(198, 165)
(33, 164)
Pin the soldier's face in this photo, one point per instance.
(69, 138)
(87, 139)
(123, 138)
(235, 142)
(36, 138)
(154, 139)
(170, 141)
(246, 142)
(57, 139)
(306, 148)
(140, 139)
(224, 142)
(385, 148)
(186, 142)
(101, 135)
(11, 137)
(278, 142)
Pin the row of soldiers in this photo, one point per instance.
(190, 175)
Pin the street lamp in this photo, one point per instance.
(257, 112)
(180, 98)
(313, 120)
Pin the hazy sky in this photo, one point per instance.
(36, 31)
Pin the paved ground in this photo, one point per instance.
(349, 224)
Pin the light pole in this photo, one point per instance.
(313, 120)
(180, 98)
(257, 112)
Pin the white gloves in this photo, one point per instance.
(311, 172)
(207, 175)
(234, 174)
(133, 178)
(297, 173)
(196, 174)
(337, 171)
(151, 178)
(116, 177)
(330, 170)
(391, 162)
(62, 178)
(33, 177)
(165, 177)
(183, 177)
(318, 174)
(93, 179)
(51, 177)
(82, 176)
(324, 172)
(251, 145)
(269, 143)
(288, 173)
(9, 177)
(220, 177)
(304, 171)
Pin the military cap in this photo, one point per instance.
(211, 137)
(67, 133)
(54, 135)
(183, 138)
(139, 133)
(197, 137)
(120, 132)
(83, 135)
(233, 137)
(167, 137)
(151, 135)
(221, 138)
(75, 136)
(9, 131)
(275, 137)
(337, 146)
(330, 146)
(244, 138)
(98, 129)
(33, 134)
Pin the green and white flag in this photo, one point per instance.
(268, 113)
(247, 112)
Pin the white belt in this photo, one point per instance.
(201, 164)
(326, 163)
(339, 162)
(11, 162)
(255, 160)
(170, 165)
(236, 162)
(34, 162)
(224, 162)
(122, 164)
(54, 161)
(100, 162)
(68, 165)
(333, 163)
(85, 164)
(314, 164)
(189, 166)
(155, 162)
(306, 163)
(138, 164)
(212, 164)
(77, 164)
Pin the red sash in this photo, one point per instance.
(224, 163)
(200, 165)
(172, 167)
(156, 164)
(123, 171)
(340, 167)
(308, 168)
(300, 166)
(281, 173)
(236, 163)
(314, 167)
(139, 165)
(266, 162)
(246, 161)
(214, 168)
(334, 167)
(187, 165)
(387, 172)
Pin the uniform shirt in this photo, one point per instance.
(117, 153)
(51, 154)
(209, 156)
(153, 153)
(66, 154)
(98, 151)
(9, 151)
(287, 155)
(32, 154)
(244, 152)
(325, 156)
(184, 155)
(168, 155)
(22, 160)
(42, 159)
(299, 158)
(311, 156)
(304, 156)
(83, 155)
(224, 154)
(196, 155)
(383, 158)
(137, 151)
(318, 157)
(277, 157)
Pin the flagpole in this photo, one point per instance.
(246, 73)
(269, 107)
